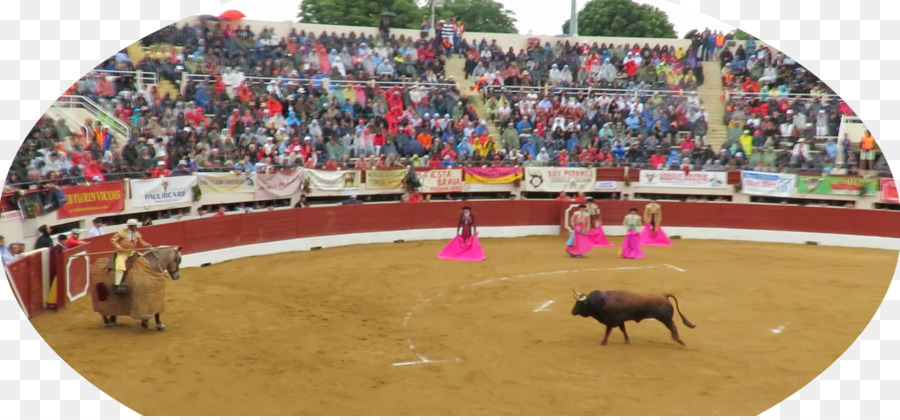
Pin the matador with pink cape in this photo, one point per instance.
(465, 245)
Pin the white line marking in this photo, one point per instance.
(483, 282)
(424, 362)
(406, 320)
(780, 328)
(675, 268)
(546, 304)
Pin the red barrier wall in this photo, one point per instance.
(243, 229)
(27, 275)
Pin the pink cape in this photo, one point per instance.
(651, 238)
(580, 243)
(598, 238)
(631, 247)
(460, 250)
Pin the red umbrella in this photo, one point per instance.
(232, 15)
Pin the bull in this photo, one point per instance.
(613, 308)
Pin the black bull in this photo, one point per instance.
(613, 308)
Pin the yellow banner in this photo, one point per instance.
(385, 179)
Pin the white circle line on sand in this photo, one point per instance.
(424, 360)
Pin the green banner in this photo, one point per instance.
(837, 185)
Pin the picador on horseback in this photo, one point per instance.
(132, 283)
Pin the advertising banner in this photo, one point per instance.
(493, 175)
(605, 185)
(385, 179)
(679, 179)
(333, 180)
(230, 183)
(279, 184)
(95, 199)
(889, 191)
(560, 179)
(162, 191)
(768, 184)
(836, 185)
(438, 181)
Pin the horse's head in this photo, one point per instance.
(174, 263)
(165, 259)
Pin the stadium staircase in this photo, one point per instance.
(76, 109)
(711, 98)
(456, 67)
(166, 87)
(135, 52)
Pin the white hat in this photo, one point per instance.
(75, 232)
(132, 222)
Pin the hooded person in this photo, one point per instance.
(607, 72)
(292, 119)
(44, 240)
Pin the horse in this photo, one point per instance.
(145, 274)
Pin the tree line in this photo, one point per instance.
(597, 18)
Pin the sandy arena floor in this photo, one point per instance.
(319, 332)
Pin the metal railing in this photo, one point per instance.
(792, 96)
(142, 79)
(594, 90)
(102, 115)
(71, 119)
(325, 82)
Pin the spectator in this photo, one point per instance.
(867, 151)
(351, 201)
(73, 239)
(5, 254)
(44, 240)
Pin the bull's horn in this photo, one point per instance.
(579, 296)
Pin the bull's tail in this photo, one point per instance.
(683, 319)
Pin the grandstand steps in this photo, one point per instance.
(711, 97)
(135, 52)
(166, 87)
(75, 117)
(456, 67)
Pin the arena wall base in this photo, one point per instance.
(307, 244)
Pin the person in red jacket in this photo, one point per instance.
(72, 241)
(160, 170)
(657, 160)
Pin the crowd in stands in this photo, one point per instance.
(576, 64)
(773, 103)
(332, 101)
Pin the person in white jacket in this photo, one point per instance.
(801, 151)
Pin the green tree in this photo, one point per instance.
(361, 12)
(623, 18)
(743, 36)
(477, 15)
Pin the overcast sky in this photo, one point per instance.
(533, 16)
